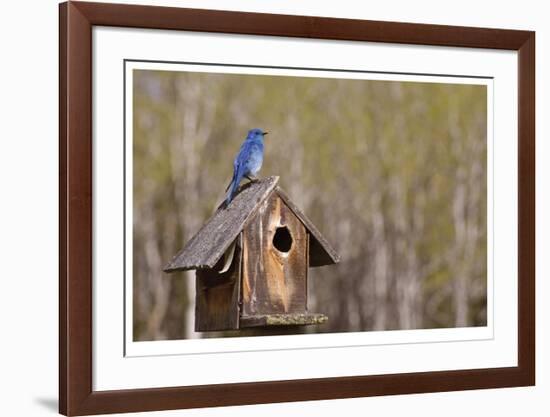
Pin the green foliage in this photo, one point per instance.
(393, 174)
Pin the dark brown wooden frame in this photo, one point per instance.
(76, 20)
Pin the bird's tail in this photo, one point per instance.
(230, 182)
(232, 189)
(232, 186)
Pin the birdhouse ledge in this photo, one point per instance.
(297, 319)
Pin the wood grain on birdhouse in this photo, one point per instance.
(274, 261)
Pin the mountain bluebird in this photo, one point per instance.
(248, 161)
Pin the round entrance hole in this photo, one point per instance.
(282, 239)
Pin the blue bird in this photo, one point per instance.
(248, 161)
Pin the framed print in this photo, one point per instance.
(265, 208)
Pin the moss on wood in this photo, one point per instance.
(266, 320)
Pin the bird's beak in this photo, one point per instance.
(265, 133)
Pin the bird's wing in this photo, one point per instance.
(243, 155)
(239, 164)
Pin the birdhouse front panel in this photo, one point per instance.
(275, 261)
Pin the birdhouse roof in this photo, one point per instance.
(212, 240)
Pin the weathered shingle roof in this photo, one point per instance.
(216, 235)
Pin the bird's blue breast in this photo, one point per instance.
(250, 157)
(255, 160)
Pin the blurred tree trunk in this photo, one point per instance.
(409, 229)
(469, 191)
(194, 111)
(381, 262)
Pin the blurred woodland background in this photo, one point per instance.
(392, 173)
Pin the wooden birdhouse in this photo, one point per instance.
(252, 259)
